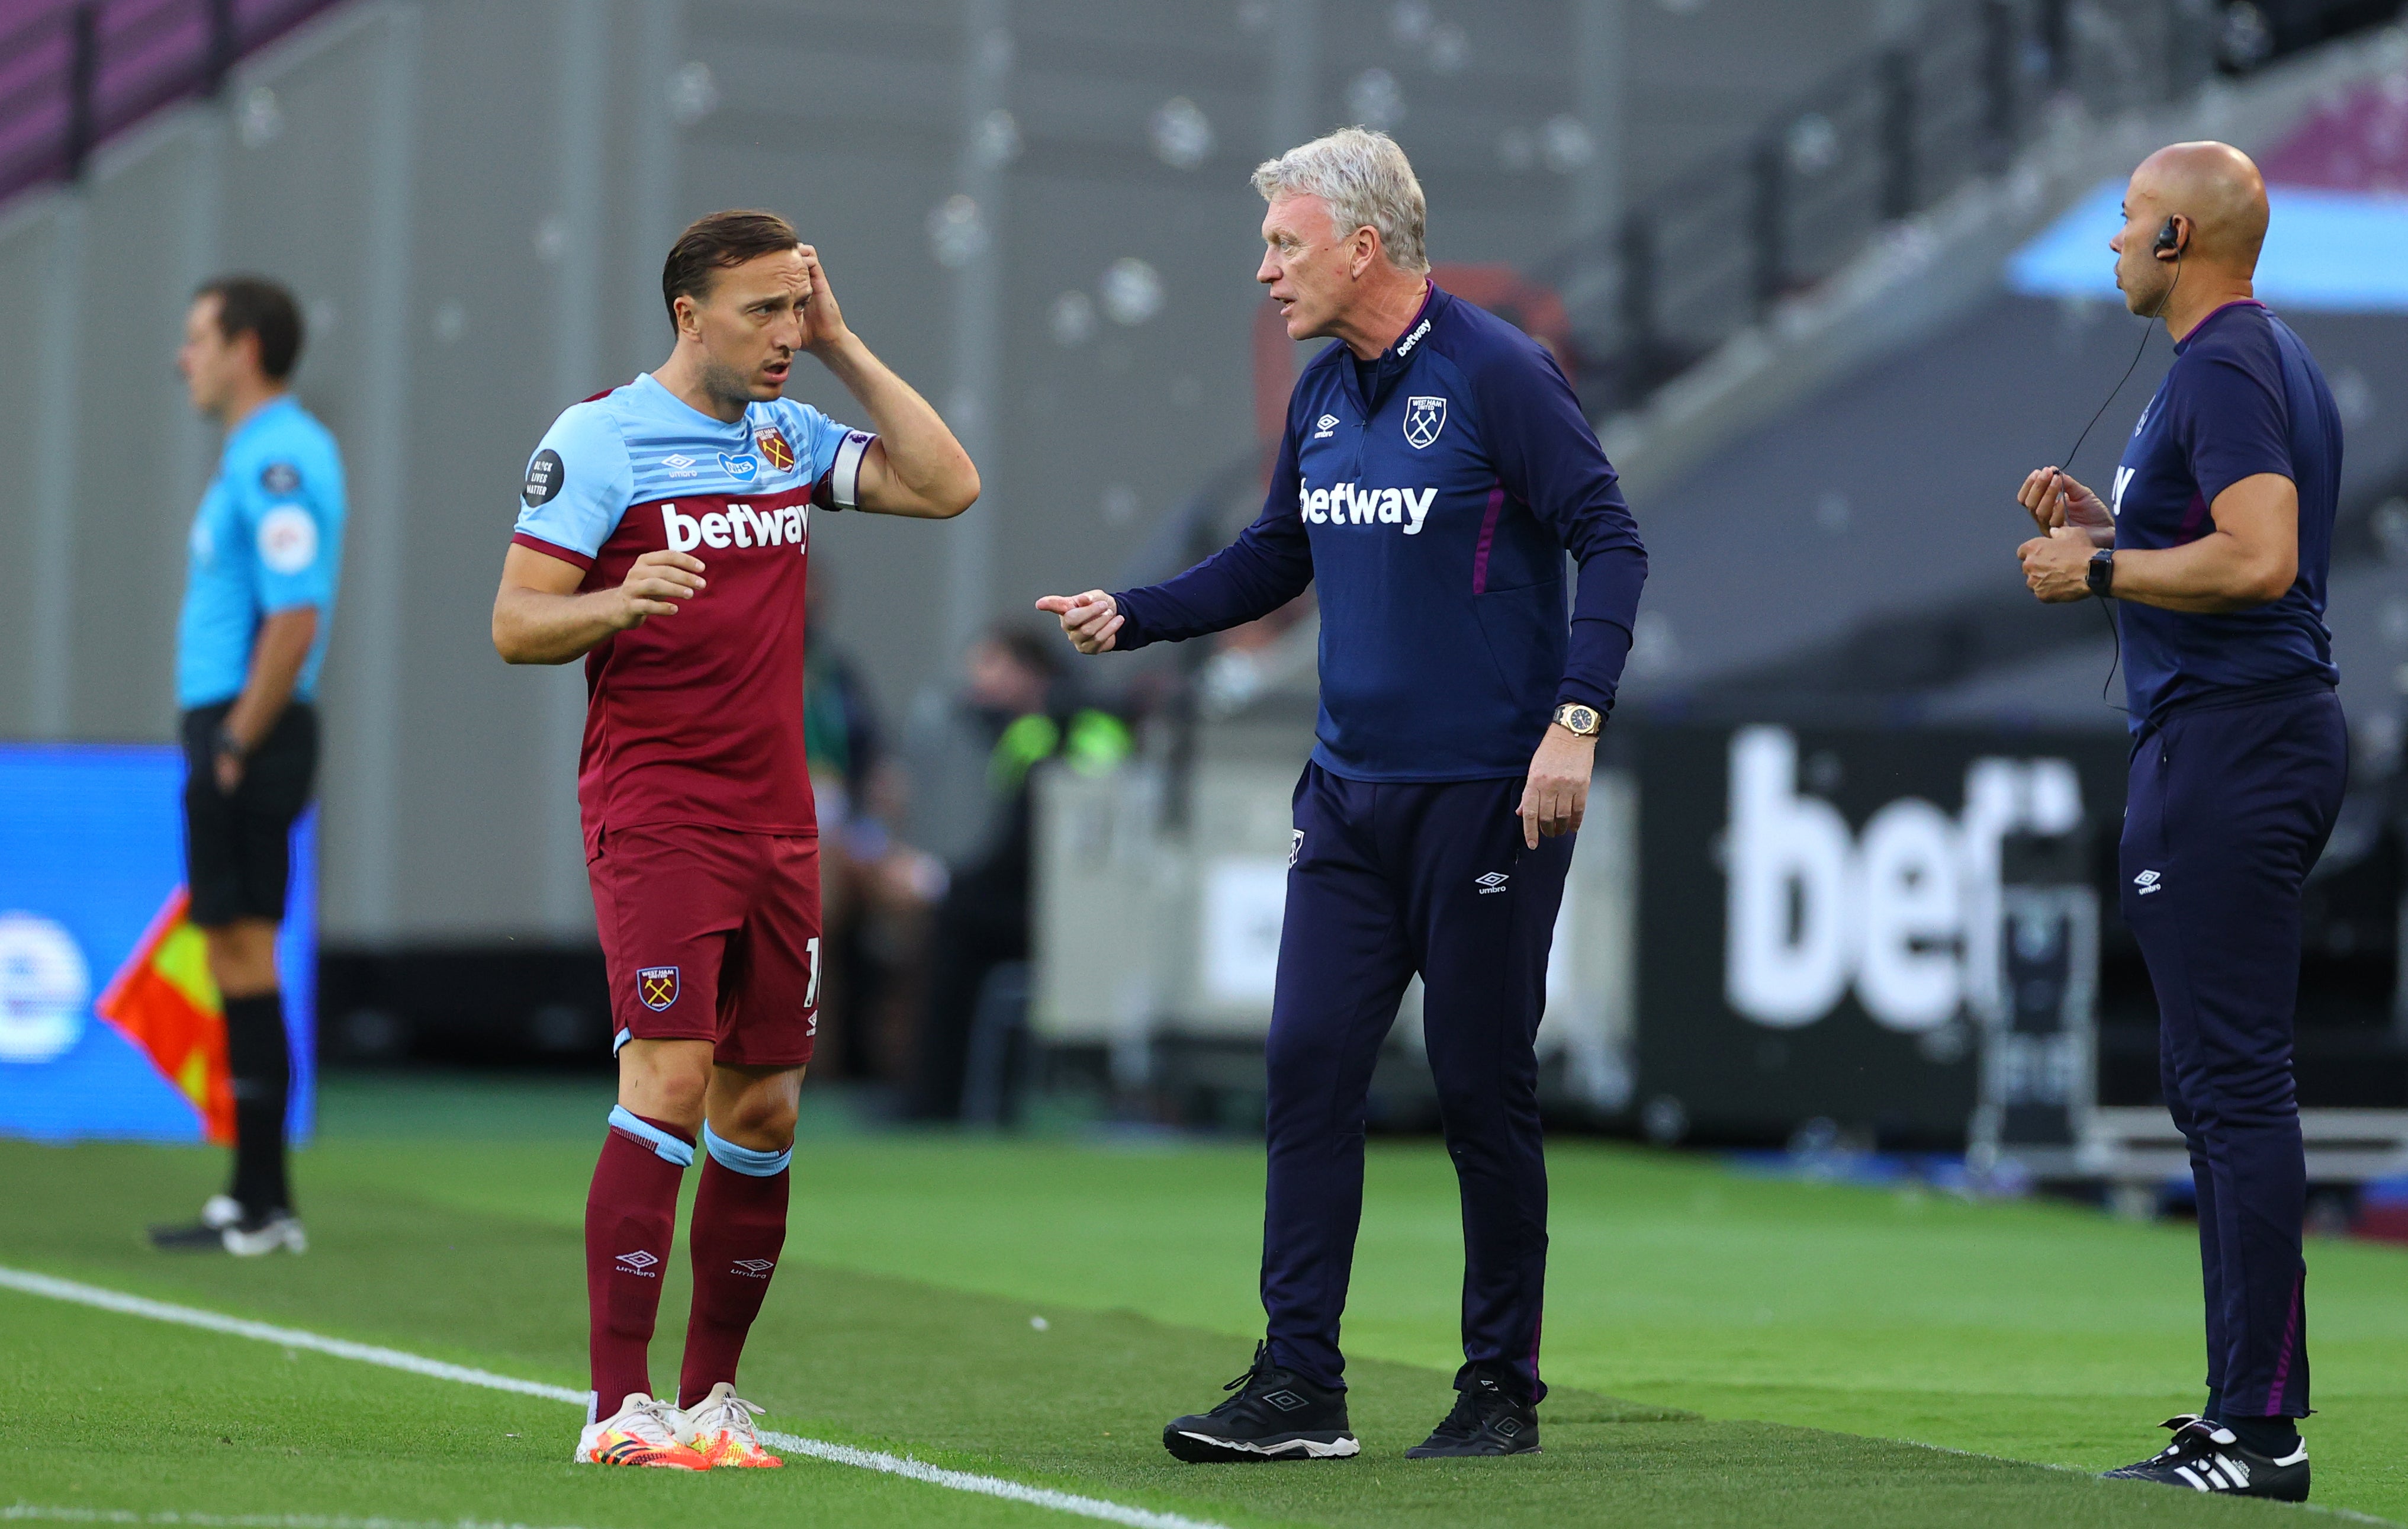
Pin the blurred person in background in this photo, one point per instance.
(1009, 718)
(259, 604)
(662, 537)
(1434, 471)
(2216, 545)
(875, 888)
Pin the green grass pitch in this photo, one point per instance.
(1725, 1351)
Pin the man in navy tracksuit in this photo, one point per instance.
(2214, 542)
(1436, 470)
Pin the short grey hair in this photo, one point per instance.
(1367, 182)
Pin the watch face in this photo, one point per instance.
(1580, 719)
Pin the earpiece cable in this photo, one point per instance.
(2113, 631)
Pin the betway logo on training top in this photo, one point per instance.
(740, 524)
(1350, 505)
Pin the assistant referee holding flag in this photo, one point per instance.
(2214, 542)
(258, 604)
(1436, 470)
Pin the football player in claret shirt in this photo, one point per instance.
(663, 538)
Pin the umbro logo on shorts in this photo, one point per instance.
(640, 1263)
(752, 1268)
(1492, 882)
(657, 987)
(2148, 881)
(1294, 844)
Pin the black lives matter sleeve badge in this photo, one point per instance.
(544, 477)
(279, 478)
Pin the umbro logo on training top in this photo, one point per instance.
(2148, 881)
(1323, 426)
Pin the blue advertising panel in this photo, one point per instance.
(91, 852)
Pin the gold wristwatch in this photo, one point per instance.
(1580, 721)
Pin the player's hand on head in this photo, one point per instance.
(655, 584)
(1090, 621)
(823, 321)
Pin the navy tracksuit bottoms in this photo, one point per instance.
(1386, 880)
(2231, 801)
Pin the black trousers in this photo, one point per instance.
(1388, 880)
(2230, 803)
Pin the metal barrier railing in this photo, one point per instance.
(74, 73)
(1885, 136)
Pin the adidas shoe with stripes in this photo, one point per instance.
(2206, 1456)
(643, 1431)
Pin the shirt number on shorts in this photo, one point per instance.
(811, 994)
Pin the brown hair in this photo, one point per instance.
(714, 242)
(254, 305)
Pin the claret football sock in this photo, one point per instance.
(739, 1227)
(630, 1220)
(261, 1063)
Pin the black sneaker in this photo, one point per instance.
(1487, 1419)
(199, 1237)
(2205, 1456)
(1275, 1414)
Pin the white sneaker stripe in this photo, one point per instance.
(2193, 1478)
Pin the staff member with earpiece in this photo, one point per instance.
(2214, 542)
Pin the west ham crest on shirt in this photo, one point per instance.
(657, 986)
(773, 446)
(1425, 418)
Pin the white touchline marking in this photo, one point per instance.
(394, 1359)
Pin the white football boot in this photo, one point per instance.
(725, 1431)
(643, 1431)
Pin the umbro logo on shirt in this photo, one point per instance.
(2148, 881)
(1323, 426)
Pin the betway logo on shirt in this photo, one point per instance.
(739, 523)
(1350, 505)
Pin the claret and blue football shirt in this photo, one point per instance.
(1429, 497)
(695, 717)
(268, 537)
(2243, 397)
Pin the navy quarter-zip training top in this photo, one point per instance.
(1434, 515)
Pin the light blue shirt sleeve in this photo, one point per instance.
(579, 483)
(287, 508)
(815, 436)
